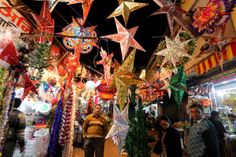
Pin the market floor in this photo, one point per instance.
(110, 151)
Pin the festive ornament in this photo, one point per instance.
(125, 8)
(120, 128)
(8, 55)
(174, 50)
(125, 38)
(215, 13)
(90, 85)
(29, 86)
(45, 23)
(106, 62)
(105, 93)
(178, 85)
(173, 13)
(123, 78)
(55, 51)
(80, 41)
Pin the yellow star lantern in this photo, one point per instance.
(125, 8)
(124, 77)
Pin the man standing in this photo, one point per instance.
(203, 141)
(94, 132)
(17, 122)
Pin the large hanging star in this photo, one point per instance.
(125, 38)
(120, 128)
(174, 50)
(44, 22)
(173, 13)
(178, 85)
(125, 8)
(123, 78)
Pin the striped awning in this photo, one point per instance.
(213, 61)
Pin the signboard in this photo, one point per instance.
(10, 17)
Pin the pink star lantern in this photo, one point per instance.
(125, 38)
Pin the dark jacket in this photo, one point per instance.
(172, 143)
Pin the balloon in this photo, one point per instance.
(90, 85)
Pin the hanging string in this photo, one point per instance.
(89, 67)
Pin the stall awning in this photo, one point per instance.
(227, 54)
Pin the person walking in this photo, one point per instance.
(94, 132)
(215, 119)
(168, 144)
(203, 141)
(16, 123)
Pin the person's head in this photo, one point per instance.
(17, 102)
(196, 111)
(215, 115)
(231, 117)
(98, 109)
(164, 122)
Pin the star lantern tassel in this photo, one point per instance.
(125, 38)
(173, 13)
(45, 23)
(120, 127)
(106, 62)
(178, 85)
(125, 8)
(123, 78)
(175, 49)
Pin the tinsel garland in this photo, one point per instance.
(55, 130)
(3, 79)
(66, 132)
(7, 105)
(68, 149)
(40, 58)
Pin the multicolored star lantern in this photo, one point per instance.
(174, 50)
(120, 127)
(123, 78)
(76, 29)
(45, 23)
(125, 8)
(125, 38)
(215, 13)
(173, 13)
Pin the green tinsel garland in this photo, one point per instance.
(136, 143)
(40, 58)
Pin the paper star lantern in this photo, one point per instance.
(215, 13)
(76, 29)
(45, 23)
(106, 62)
(120, 128)
(178, 85)
(125, 38)
(173, 13)
(123, 78)
(125, 8)
(174, 50)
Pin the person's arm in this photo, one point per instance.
(210, 143)
(85, 126)
(20, 131)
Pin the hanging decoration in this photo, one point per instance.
(123, 78)
(178, 85)
(104, 92)
(175, 49)
(216, 13)
(45, 24)
(125, 8)
(76, 29)
(173, 13)
(120, 127)
(125, 38)
(106, 62)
